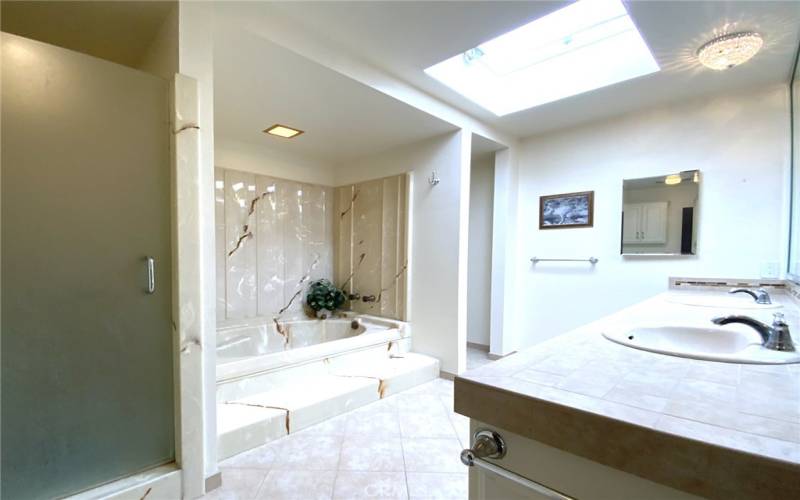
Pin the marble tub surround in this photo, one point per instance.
(371, 252)
(262, 397)
(718, 430)
(274, 236)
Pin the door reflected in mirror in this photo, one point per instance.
(659, 214)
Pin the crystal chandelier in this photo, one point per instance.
(730, 50)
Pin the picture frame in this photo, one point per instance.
(566, 210)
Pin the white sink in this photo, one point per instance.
(714, 344)
(724, 301)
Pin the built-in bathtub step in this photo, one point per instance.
(242, 427)
(249, 422)
(316, 399)
(396, 373)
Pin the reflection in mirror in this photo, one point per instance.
(794, 240)
(659, 214)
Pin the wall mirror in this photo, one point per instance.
(793, 270)
(659, 214)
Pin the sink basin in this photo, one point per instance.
(713, 344)
(722, 301)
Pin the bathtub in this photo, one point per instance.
(246, 348)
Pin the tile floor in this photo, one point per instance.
(405, 446)
(476, 358)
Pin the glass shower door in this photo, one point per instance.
(87, 350)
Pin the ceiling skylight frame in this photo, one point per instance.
(587, 45)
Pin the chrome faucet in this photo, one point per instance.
(759, 295)
(775, 337)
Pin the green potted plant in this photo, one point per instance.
(324, 298)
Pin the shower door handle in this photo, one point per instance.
(151, 275)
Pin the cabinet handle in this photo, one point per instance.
(485, 444)
(489, 444)
(151, 275)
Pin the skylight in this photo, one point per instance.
(585, 46)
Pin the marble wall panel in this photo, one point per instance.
(277, 236)
(366, 241)
(343, 221)
(220, 238)
(240, 248)
(270, 255)
(371, 254)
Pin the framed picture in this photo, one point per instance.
(560, 211)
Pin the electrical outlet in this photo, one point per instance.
(770, 270)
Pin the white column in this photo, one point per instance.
(503, 328)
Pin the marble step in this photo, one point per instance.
(241, 427)
(396, 372)
(253, 421)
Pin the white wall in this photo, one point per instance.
(739, 143)
(437, 286)
(479, 281)
(248, 157)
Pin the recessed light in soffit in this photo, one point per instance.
(283, 131)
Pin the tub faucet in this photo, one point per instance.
(775, 337)
(759, 295)
(369, 298)
(354, 296)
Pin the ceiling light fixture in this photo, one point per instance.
(729, 50)
(283, 131)
(673, 179)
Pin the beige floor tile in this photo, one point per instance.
(257, 458)
(297, 485)
(424, 425)
(372, 454)
(439, 486)
(306, 452)
(360, 485)
(432, 455)
(378, 425)
(238, 484)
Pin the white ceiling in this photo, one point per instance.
(258, 84)
(403, 38)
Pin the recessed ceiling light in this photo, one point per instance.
(283, 131)
(730, 50)
(673, 179)
(587, 45)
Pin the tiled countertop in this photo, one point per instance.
(718, 430)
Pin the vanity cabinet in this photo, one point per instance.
(531, 470)
(644, 223)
